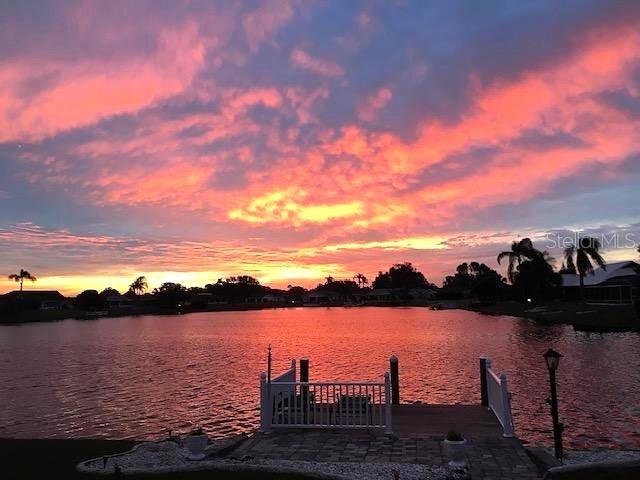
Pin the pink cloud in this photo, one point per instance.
(263, 22)
(368, 108)
(88, 90)
(327, 68)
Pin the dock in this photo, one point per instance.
(417, 438)
(364, 422)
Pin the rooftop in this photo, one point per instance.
(35, 295)
(601, 275)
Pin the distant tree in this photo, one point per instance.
(536, 278)
(361, 280)
(637, 299)
(243, 280)
(475, 279)
(89, 300)
(21, 277)
(401, 275)
(237, 288)
(295, 293)
(109, 292)
(586, 250)
(329, 279)
(139, 285)
(170, 294)
(519, 252)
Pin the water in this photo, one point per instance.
(140, 376)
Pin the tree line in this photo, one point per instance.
(530, 273)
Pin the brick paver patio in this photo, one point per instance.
(416, 439)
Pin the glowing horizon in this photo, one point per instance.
(291, 141)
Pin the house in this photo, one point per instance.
(206, 300)
(615, 283)
(269, 298)
(118, 301)
(38, 299)
(322, 297)
(381, 296)
(399, 296)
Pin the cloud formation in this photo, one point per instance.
(343, 139)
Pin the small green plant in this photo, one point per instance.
(453, 436)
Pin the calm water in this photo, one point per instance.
(139, 376)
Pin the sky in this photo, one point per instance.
(292, 140)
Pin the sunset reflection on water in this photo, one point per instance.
(141, 376)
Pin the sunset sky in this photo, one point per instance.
(288, 140)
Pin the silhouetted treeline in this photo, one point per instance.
(530, 273)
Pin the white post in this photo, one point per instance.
(265, 404)
(488, 379)
(387, 401)
(507, 430)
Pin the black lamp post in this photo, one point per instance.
(553, 360)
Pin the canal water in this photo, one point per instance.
(139, 377)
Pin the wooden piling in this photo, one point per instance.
(484, 394)
(304, 389)
(395, 380)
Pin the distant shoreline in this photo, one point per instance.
(37, 316)
(598, 318)
(584, 317)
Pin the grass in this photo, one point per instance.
(57, 459)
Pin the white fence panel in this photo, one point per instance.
(325, 404)
(499, 399)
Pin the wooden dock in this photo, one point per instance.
(421, 419)
(365, 422)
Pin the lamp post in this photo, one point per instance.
(269, 365)
(553, 360)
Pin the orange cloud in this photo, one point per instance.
(285, 207)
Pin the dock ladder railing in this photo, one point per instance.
(498, 398)
(286, 403)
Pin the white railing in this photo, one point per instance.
(325, 404)
(288, 376)
(499, 399)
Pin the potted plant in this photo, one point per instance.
(195, 443)
(455, 445)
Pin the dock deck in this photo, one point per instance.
(418, 431)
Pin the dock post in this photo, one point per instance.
(265, 404)
(484, 394)
(387, 404)
(395, 380)
(304, 389)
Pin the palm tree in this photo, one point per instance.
(360, 279)
(139, 285)
(21, 277)
(520, 251)
(588, 249)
